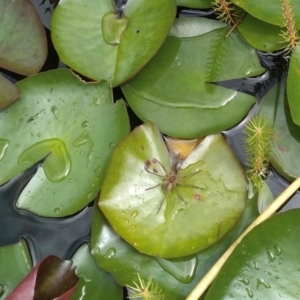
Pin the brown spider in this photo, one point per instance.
(169, 180)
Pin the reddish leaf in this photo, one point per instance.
(51, 279)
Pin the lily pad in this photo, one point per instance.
(293, 91)
(265, 265)
(271, 11)
(286, 147)
(261, 35)
(175, 89)
(94, 283)
(183, 209)
(71, 124)
(176, 277)
(194, 3)
(23, 44)
(108, 47)
(18, 257)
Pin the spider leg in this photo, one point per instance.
(154, 160)
(179, 195)
(161, 203)
(187, 176)
(152, 187)
(150, 172)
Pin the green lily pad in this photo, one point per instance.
(94, 283)
(106, 47)
(293, 91)
(265, 265)
(173, 89)
(270, 11)
(176, 277)
(261, 35)
(183, 209)
(285, 146)
(15, 265)
(194, 3)
(71, 123)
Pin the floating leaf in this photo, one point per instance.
(23, 44)
(285, 146)
(176, 277)
(173, 89)
(15, 265)
(270, 11)
(265, 265)
(293, 91)
(261, 35)
(52, 278)
(183, 209)
(108, 47)
(74, 125)
(94, 283)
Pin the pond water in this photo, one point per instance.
(62, 237)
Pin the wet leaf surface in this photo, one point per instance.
(265, 265)
(111, 46)
(94, 283)
(173, 89)
(285, 148)
(74, 125)
(261, 35)
(52, 278)
(183, 209)
(176, 277)
(17, 258)
(270, 11)
(293, 92)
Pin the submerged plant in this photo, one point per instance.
(145, 291)
(289, 33)
(258, 142)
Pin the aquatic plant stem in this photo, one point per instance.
(213, 272)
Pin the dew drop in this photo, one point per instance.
(75, 103)
(134, 244)
(278, 250)
(112, 144)
(57, 210)
(54, 111)
(271, 255)
(96, 251)
(3, 147)
(134, 214)
(181, 269)
(245, 281)
(83, 139)
(260, 282)
(256, 266)
(84, 124)
(132, 228)
(49, 100)
(249, 292)
(70, 180)
(96, 101)
(17, 145)
(110, 253)
(21, 120)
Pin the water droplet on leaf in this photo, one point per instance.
(3, 147)
(54, 111)
(110, 253)
(134, 214)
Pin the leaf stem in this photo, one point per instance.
(213, 272)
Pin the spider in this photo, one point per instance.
(169, 180)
